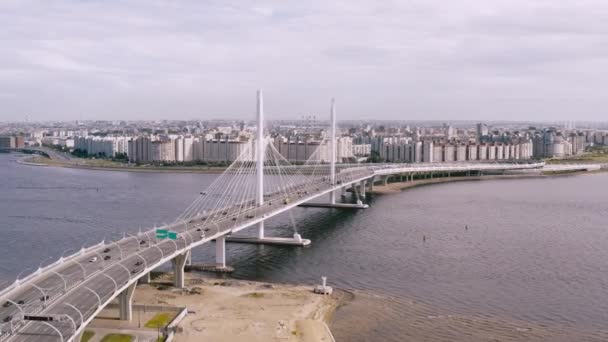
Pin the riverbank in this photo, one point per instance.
(244, 311)
(103, 165)
(25, 162)
(396, 187)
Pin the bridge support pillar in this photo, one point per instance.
(125, 303)
(261, 230)
(179, 262)
(145, 279)
(220, 252)
(362, 186)
(343, 191)
(332, 197)
(385, 180)
(371, 184)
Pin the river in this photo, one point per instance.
(533, 249)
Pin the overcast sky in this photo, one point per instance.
(421, 59)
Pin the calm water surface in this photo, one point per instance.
(535, 249)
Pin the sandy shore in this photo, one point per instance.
(245, 311)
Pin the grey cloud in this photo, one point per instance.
(390, 59)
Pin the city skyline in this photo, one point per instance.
(475, 60)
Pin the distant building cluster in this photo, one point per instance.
(101, 146)
(149, 149)
(12, 141)
(210, 148)
(429, 152)
(551, 143)
(301, 149)
(223, 141)
(449, 144)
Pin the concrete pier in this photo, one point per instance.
(362, 187)
(220, 252)
(371, 183)
(178, 269)
(125, 303)
(295, 241)
(335, 205)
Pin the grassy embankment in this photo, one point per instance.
(597, 155)
(117, 338)
(159, 320)
(87, 335)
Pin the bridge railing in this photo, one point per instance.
(41, 270)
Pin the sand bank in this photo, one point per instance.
(247, 311)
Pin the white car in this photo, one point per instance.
(93, 259)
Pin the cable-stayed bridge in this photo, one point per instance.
(56, 302)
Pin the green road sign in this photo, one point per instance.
(165, 234)
(161, 233)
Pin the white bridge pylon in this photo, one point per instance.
(261, 178)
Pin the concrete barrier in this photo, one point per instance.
(149, 307)
(173, 325)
